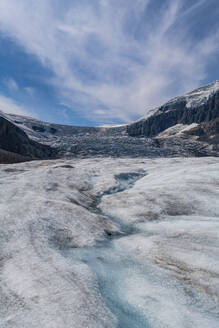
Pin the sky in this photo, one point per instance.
(95, 62)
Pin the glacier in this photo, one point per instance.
(110, 242)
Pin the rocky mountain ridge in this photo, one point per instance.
(184, 126)
(193, 117)
(16, 146)
(198, 106)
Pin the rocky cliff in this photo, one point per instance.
(16, 146)
(198, 106)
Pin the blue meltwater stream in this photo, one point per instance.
(140, 295)
(109, 266)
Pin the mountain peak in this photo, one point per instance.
(198, 96)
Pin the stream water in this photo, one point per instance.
(140, 295)
(107, 265)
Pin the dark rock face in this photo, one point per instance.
(207, 132)
(7, 157)
(15, 141)
(38, 128)
(176, 113)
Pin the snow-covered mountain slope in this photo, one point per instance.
(198, 106)
(15, 145)
(194, 98)
(198, 96)
(185, 126)
(40, 130)
(93, 243)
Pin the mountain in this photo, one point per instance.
(184, 126)
(16, 146)
(200, 106)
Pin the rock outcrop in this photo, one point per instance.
(182, 110)
(207, 131)
(15, 145)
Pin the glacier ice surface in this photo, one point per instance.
(110, 243)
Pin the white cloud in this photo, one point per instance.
(105, 54)
(30, 91)
(11, 84)
(7, 105)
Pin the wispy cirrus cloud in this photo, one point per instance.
(7, 105)
(114, 58)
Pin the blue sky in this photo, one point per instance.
(91, 62)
